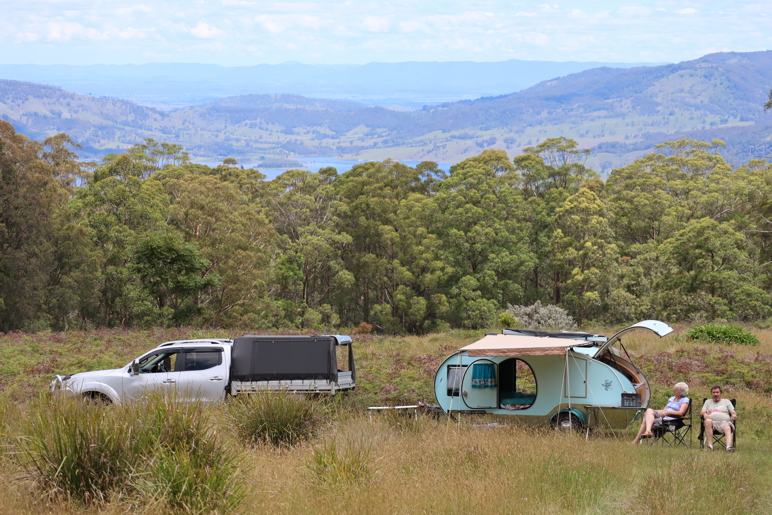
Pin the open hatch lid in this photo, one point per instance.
(517, 345)
(661, 329)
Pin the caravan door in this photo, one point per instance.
(479, 388)
(575, 379)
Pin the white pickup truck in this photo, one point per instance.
(208, 370)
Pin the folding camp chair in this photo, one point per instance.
(676, 431)
(718, 438)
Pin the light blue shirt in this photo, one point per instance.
(675, 405)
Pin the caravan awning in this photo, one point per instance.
(515, 345)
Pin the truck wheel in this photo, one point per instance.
(96, 399)
(567, 421)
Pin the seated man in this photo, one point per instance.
(718, 415)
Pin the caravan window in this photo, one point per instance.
(455, 376)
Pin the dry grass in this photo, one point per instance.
(449, 469)
(430, 466)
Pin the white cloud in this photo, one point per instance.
(134, 9)
(132, 33)
(28, 37)
(377, 23)
(413, 26)
(278, 23)
(204, 31)
(357, 31)
(634, 11)
(62, 31)
(538, 39)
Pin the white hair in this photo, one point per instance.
(682, 388)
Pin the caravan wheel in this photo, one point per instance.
(567, 421)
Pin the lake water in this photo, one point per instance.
(315, 163)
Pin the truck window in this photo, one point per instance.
(201, 360)
(341, 356)
(158, 362)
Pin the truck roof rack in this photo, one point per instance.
(212, 341)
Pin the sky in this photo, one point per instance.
(249, 32)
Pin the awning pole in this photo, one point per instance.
(568, 381)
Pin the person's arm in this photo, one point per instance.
(732, 411)
(704, 412)
(682, 411)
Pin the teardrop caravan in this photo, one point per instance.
(567, 379)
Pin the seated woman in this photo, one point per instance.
(677, 406)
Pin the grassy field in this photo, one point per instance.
(355, 463)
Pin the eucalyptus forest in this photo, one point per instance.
(147, 238)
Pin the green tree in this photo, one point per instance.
(119, 209)
(310, 269)
(371, 195)
(483, 233)
(711, 272)
(217, 214)
(549, 173)
(38, 263)
(172, 273)
(582, 254)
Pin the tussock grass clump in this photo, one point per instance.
(157, 450)
(197, 480)
(81, 451)
(341, 463)
(280, 419)
(723, 334)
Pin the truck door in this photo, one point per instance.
(201, 374)
(479, 387)
(154, 372)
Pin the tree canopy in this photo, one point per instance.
(147, 237)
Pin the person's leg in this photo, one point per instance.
(709, 433)
(729, 434)
(648, 419)
(646, 423)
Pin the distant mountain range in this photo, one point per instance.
(618, 112)
(402, 86)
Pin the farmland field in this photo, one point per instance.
(355, 463)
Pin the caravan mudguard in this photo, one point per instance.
(573, 413)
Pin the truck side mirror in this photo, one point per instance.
(134, 368)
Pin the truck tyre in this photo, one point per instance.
(96, 399)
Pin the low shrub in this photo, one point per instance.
(280, 419)
(537, 316)
(723, 334)
(507, 320)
